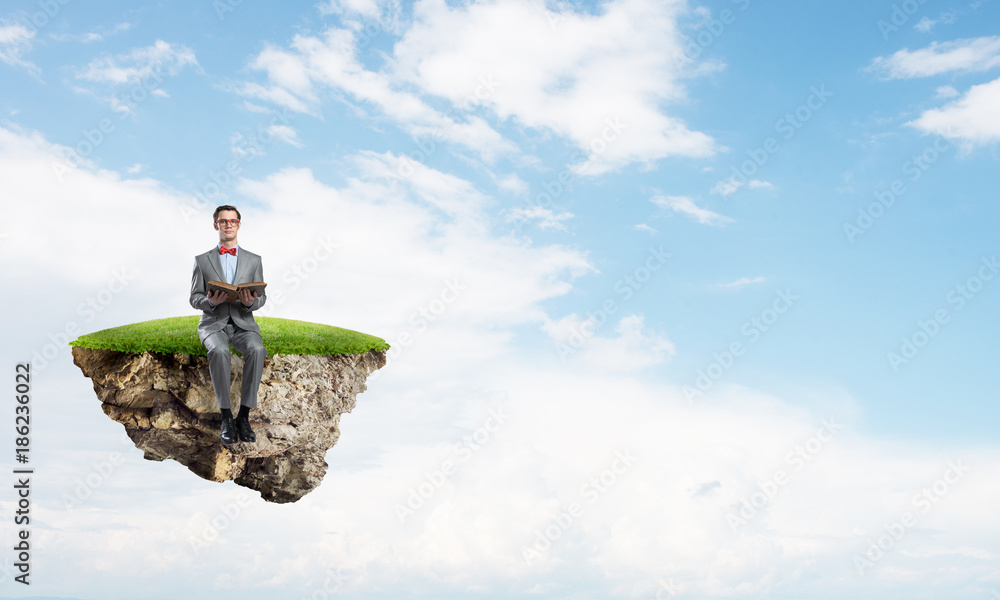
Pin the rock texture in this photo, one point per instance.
(168, 408)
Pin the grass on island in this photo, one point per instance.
(179, 335)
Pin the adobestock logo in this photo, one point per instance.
(958, 297)
(753, 329)
(895, 531)
(421, 494)
(797, 458)
(566, 517)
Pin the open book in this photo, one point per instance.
(233, 290)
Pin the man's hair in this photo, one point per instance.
(215, 215)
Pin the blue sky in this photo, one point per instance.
(689, 230)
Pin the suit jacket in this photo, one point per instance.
(207, 266)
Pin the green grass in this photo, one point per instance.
(179, 335)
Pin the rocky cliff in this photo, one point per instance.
(168, 408)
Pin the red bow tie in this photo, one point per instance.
(223, 250)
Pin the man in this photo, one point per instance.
(224, 323)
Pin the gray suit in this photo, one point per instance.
(230, 323)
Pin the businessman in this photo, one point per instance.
(224, 323)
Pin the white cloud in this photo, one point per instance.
(577, 337)
(513, 183)
(686, 206)
(974, 54)
(285, 134)
(330, 62)
(146, 66)
(139, 63)
(255, 108)
(632, 349)
(729, 186)
(15, 41)
(83, 38)
(613, 71)
(545, 218)
(972, 118)
(369, 18)
(740, 283)
(240, 147)
(562, 429)
(287, 72)
(14, 34)
(925, 24)
(385, 12)
(91, 36)
(599, 80)
(644, 227)
(946, 91)
(275, 95)
(733, 184)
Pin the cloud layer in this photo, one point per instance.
(970, 55)
(599, 81)
(556, 463)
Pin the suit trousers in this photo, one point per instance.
(250, 344)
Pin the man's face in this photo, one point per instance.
(227, 225)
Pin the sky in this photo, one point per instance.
(689, 299)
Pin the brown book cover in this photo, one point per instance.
(233, 290)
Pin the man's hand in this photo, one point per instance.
(246, 297)
(218, 297)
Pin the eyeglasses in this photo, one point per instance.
(224, 222)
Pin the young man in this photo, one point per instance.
(224, 323)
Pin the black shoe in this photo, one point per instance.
(228, 430)
(243, 427)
